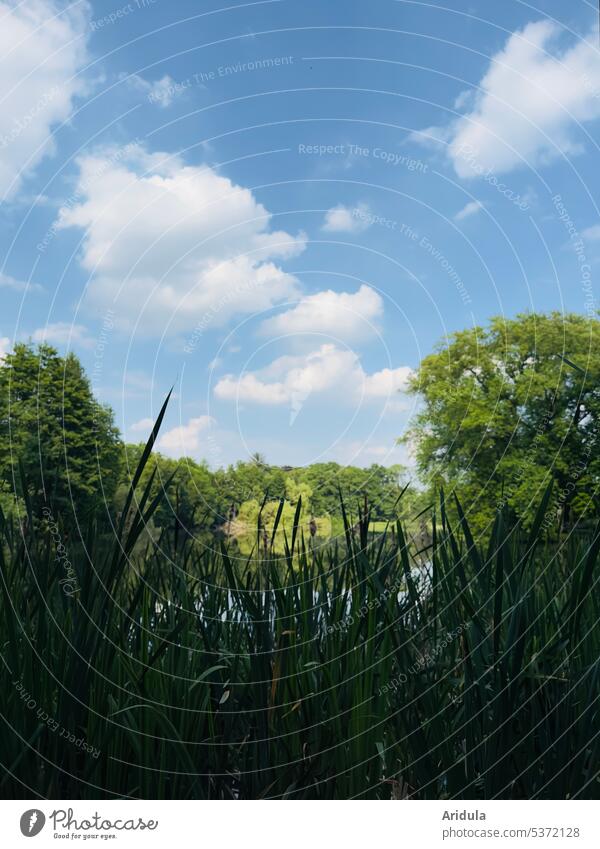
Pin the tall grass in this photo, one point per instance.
(365, 669)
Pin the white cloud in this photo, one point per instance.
(384, 383)
(8, 282)
(185, 440)
(251, 388)
(63, 333)
(345, 219)
(165, 241)
(465, 99)
(469, 209)
(5, 346)
(592, 233)
(161, 92)
(530, 101)
(340, 314)
(164, 91)
(329, 369)
(42, 51)
(143, 426)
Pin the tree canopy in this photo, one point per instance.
(508, 408)
(72, 456)
(505, 409)
(196, 496)
(51, 423)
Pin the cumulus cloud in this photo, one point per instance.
(383, 383)
(345, 219)
(161, 92)
(42, 51)
(185, 440)
(469, 209)
(344, 315)
(63, 333)
(329, 369)
(534, 94)
(165, 241)
(251, 388)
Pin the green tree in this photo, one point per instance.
(503, 413)
(296, 489)
(190, 497)
(381, 485)
(248, 481)
(51, 423)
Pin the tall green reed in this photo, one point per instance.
(363, 669)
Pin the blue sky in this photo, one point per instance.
(280, 207)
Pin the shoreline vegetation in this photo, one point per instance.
(347, 636)
(347, 671)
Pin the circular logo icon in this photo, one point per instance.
(32, 822)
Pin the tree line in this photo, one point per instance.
(504, 409)
(59, 445)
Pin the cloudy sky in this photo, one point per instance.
(279, 207)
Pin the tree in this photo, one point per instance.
(508, 408)
(296, 490)
(248, 481)
(381, 485)
(51, 423)
(190, 499)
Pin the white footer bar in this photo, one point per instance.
(299, 824)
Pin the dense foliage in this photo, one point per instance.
(71, 454)
(197, 498)
(51, 424)
(147, 656)
(354, 671)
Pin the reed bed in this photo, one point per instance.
(364, 669)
